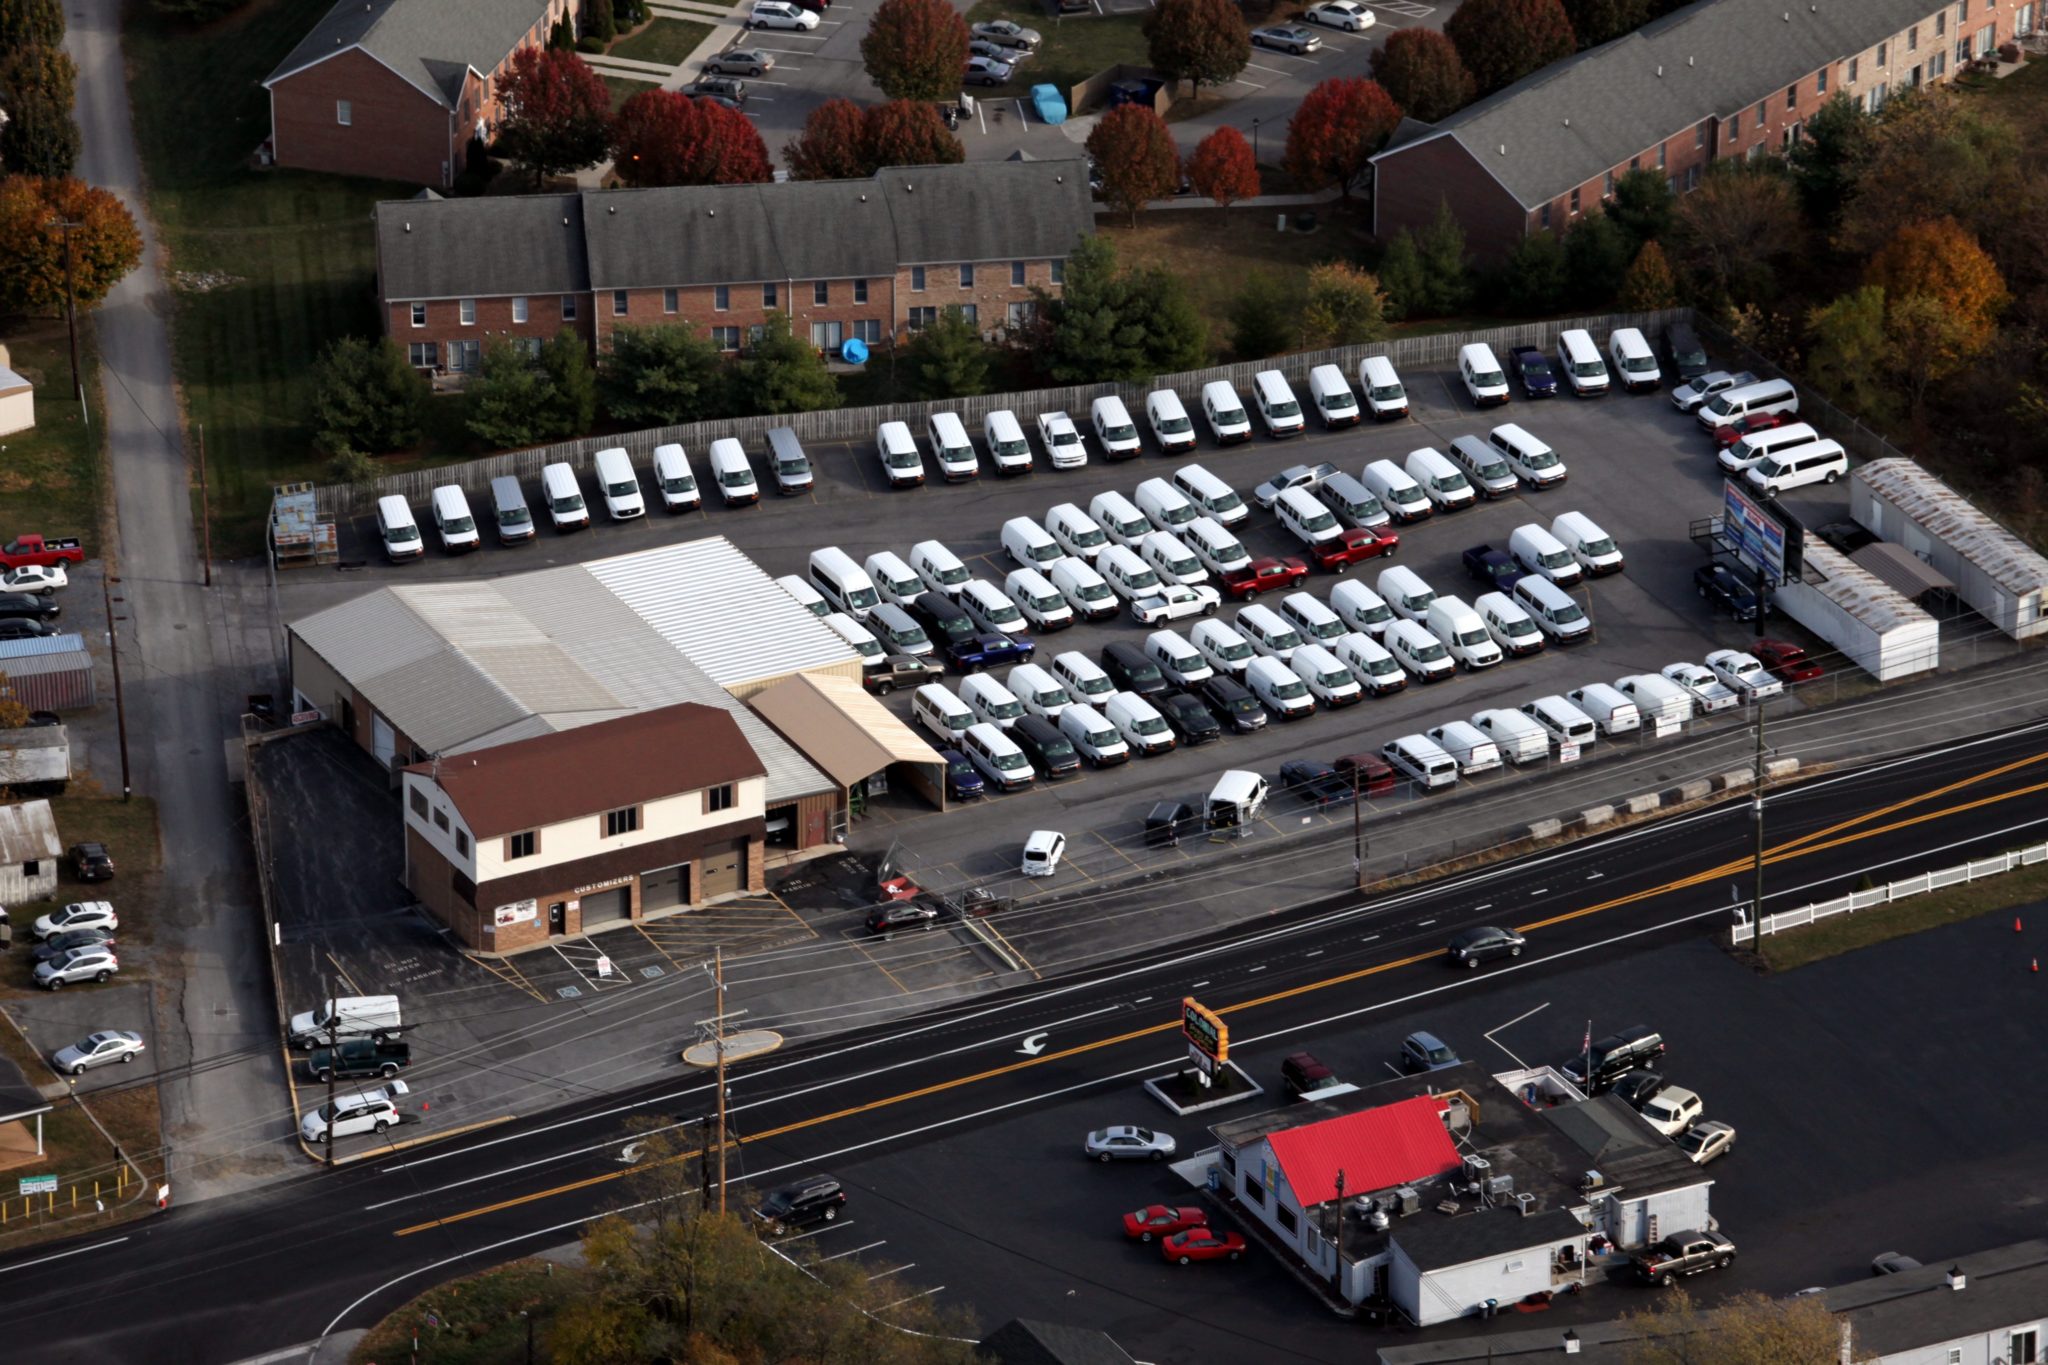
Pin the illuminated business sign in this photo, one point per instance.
(1762, 532)
(1205, 1029)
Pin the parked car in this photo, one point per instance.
(1042, 853)
(1788, 661)
(990, 48)
(1638, 1088)
(1227, 699)
(43, 579)
(1354, 545)
(720, 89)
(90, 862)
(1172, 601)
(1689, 395)
(1892, 1263)
(95, 963)
(1163, 1220)
(1309, 477)
(1286, 38)
(1493, 567)
(963, 781)
(354, 1058)
(1719, 584)
(1708, 692)
(802, 1203)
(1485, 943)
(366, 1111)
(1202, 1244)
(1128, 1142)
(1683, 1253)
(742, 61)
(900, 670)
(98, 1049)
(778, 14)
(1705, 1141)
(1316, 782)
(21, 628)
(1348, 15)
(1672, 1110)
(1749, 426)
(894, 915)
(1422, 1051)
(56, 945)
(78, 915)
(1744, 674)
(29, 606)
(1048, 103)
(987, 651)
(1190, 721)
(987, 71)
(1371, 774)
(1009, 34)
(1262, 575)
(1532, 369)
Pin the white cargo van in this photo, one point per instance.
(1225, 413)
(1382, 388)
(1315, 621)
(1076, 531)
(1421, 653)
(1268, 631)
(1165, 506)
(509, 510)
(1443, 483)
(1227, 651)
(1029, 545)
(1463, 632)
(1278, 689)
(1579, 361)
(1169, 421)
(1484, 466)
(1508, 624)
(1140, 723)
(1332, 397)
(1210, 495)
(896, 448)
(1539, 552)
(1519, 738)
(990, 701)
(1535, 463)
(1656, 697)
(619, 484)
(1214, 546)
(844, 583)
(1613, 712)
(896, 581)
(452, 520)
(951, 447)
(1113, 512)
(1400, 495)
(943, 715)
(1094, 738)
(1352, 501)
(731, 472)
(1083, 588)
(1182, 664)
(1279, 409)
(1370, 663)
(1171, 558)
(1405, 592)
(1082, 677)
(1309, 521)
(1732, 405)
(346, 1016)
(1114, 428)
(858, 637)
(675, 479)
(990, 609)
(1329, 681)
(1633, 360)
(1469, 745)
(1360, 608)
(1564, 722)
(1007, 448)
(805, 596)
(939, 567)
(1484, 379)
(1553, 610)
(996, 756)
(1038, 599)
(1419, 759)
(564, 497)
(1592, 547)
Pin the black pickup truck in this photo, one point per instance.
(355, 1057)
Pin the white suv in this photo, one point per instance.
(368, 1111)
(777, 14)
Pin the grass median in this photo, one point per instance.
(50, 480)
(1845, 933)
(667, 41)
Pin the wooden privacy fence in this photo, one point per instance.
(335, 501)
(1891, 891)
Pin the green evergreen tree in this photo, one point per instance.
(783, 373)
(1597, 252)
(509, 398)
(572, 385)
(1444, 267)
(1108, 323)
(1533, 281)
(945, 359)
(367, 398)
(660, 376)
(1263, 317)
(1402, 277)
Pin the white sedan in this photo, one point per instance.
(1745, 676)
(1175, 600)
(1348, 15)
(79, 915)
(1706, 689)
(36, 578)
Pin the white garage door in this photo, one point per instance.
(383, 739)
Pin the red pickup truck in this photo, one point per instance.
(26, 550)
(1355, 546)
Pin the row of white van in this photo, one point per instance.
(1578, 360)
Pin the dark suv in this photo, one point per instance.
(1615, 1056)
(802, 1203)
(91, 862)
(942, 618)
(1302, 1073)
(1230, 703)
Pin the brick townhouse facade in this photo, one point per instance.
(1721, 78)
(396, 89)
(871, 260)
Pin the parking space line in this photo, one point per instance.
(505, 970)
(641, 930)
(1276, 70)
(862, 950)
(342, 972)
(589, 974)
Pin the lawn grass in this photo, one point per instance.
(622, 89)
(294, 249)
(668, 41)
(1075, 47)
(50, 475)
(475, 1321)
(1881, 923)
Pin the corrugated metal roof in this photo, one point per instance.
(1953, 519)
(28, 833)
(1902, 569)
(35, 665)
(844, 730)
(1376, 1149)
(43, 644)
(1859, 592)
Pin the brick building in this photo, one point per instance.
(1719, 79)
(396, 89)
(844, 259)
(565, 833)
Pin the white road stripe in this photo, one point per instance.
(75, 1251)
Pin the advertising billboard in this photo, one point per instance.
(1761, 532)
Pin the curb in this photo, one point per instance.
(319, 1154)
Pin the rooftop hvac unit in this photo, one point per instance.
(1477, 1167)
(1527, 1202)
(1407, 1200)
(1499, 1185)
(1594, 1180)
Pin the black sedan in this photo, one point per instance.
(1484, 944)
(902, 915)
(1721, 585)
(1316, 782)
(1189, 719)
(29, 606)
(58, 944)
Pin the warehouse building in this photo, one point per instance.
(1991, 568)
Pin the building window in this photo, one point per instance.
(1575, 202)
(767, 296)
(1962, 11)
(464, 355)
(527, 346)
(441, 818)
(967, 277)
(1660, 156)
(917, 279)
(821, 293)
(1545, 218)
(625, 820)
(522, 845)
(1820, 82)
(1763, 113)
(465, 312)
(869, 330)
(462, 843)
(619, 301)
(921, 318)
(1941, 24)
(1607, 192)
(1017, 274)
(1059, 272)
(568, 308)
(1254, 1193)
(1699, 137)
(519, 310)
(1022, 314)
(1735, 127)
(2023, 1347)
(1913, 38)
(419, 803)
(1791, 97)
(344, 113)
(1937, 65)
(420, 354)
(721, 298)
(1882, 48)
(1635, 163)
(1854, 63)
(419, 315)
(756, 332)
(860, 291)
(718, 798)
(726, 338)
(1288, 1222)
(1692, 178)
(670, 300)
(827, 336)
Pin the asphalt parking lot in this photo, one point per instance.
(57, 1019)
(1938, 1162)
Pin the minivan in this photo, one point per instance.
(1173, 560)
(1332, 397)
(991, 609)
(1462, 632)
(1279, 409)
(1180, 662)
(902, 465)
(938, 566)
(1405, 592)
(1083, 588)
(1165, 506)
(1038, 599)
(1535, 463)
(1082, 677)
(1484, 379)
(950, 447)
(1633, 360)
(1732, 405)
(675, 480)
(1751, 450)
(1820, 462)
(452, 519)
(1484, 466)
(564, 497)
(619, 484)
(844, 583)
(997, 757)
(1382, 388)
(1369, 662)
(1474, 750)
(1225, 413)
(1400, 495)
(1566, 723)
(731, 472)
(1113, 512)
(899, 631)
(1076, 531)
(805, 596)
(1169, 421)
(1007, 446)
(508, 507)
(940, 712)
(1579, 360)
(1352, 501)
(1419, 759)
(1419, 652)
(1329, 681)
(1093, 737)
(990, 701)
(1227, 651)
(1140, 723)
(1556, 615)
(1360, 608)
(1508, 624)
(1029, 545)
(1592, 547)
(397, 529)
(1540, 552)
(1314, 620)
(1268, 632)
(1614, 713)
(1442, 482)
(1114, 428)
(896, 581)
(1518, 737)
(1215, 546)
(1278, 689)
(1040, 692)
(1210, 494)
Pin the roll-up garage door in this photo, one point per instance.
(663, 889)
(601, 908)
(723, 871)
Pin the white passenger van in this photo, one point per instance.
(453, 521)
(943, 715)
(1083, 588)
(1553, 610)
(1732, 405)
(1508, 624)
(1140, 723)
(1485, 380)
(1278, 689)
(1443, 483)
(1279, 409)
(1535, 463)
(902, 465)
(1268, 631)
(397, 530)
(996, 756)
(1820, 462)
(1400, 495)
(675, 480)
(1171, 558)
(1227, 651)
(1463, 632)
(564, 495)
(620, 485)
(1315, 621)
(1370, 663)
(1165, 506)
(1082, 677)
(1749, 451)
(1210, 495)
(1114, 428)
(1169, 421)
(1592, 547)
(1225, 413)
(1360, 608)
(1352, 501)
(1382, 388)
(1042, 604)
(731, 472)
(1421, 653)
(1182, 664)
(1076, 532)
(939, 567)
(844, 583)
(1124, 523)
(1093, 737)
(1405, 592)
(990, 609)
(951, 447)
(1302, 514)
(1329, 681)
(804, 594)
(990, 701)
(1333, 398)
(896, 581)
(1578, 359)
(1214, 546)
(1422, 761)
(1539, 552)
(1007, 447)
(1633, 360)
(1128, 576)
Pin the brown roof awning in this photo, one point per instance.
(839, 727)
(1901, 570)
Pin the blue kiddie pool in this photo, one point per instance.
(1051, 107)
(854, 351)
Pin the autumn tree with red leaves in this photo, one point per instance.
(832, 146)
(842, 141)
(556, 113)
(1334, 133)
(1421, 71)
(1135, 154)
(1222, 167)
(33, 271)
(916, 49)
(666, 138)
(1502, 41)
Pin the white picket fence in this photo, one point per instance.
(1879, 895)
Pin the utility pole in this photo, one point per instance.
(114, 655)
(719, 1045)
(1357, 836)
(1756, 910)
(333, 1023)
(205, 508)
(71, 313)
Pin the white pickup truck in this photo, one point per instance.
(1064, 448)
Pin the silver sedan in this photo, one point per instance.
(741, 61)
(1128, 1142)
(108, 1045)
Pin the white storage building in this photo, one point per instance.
(1857, 612)
(1993, 569)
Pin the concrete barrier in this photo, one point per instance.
(1595, 816)
(1781, 767)
(1697, 790)
(1644, 804)
(1735, 780)
(1546, 829)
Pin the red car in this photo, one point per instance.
(1262, 575)
(1788, 661)
(1758, 421)
(1202, 1244)
(1355, 546)
(1159, 1220)
(1374, 774)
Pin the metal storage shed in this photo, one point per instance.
(1856, 612)
(29, 852)
(36, 759)
(51, 673)
(1994, 570)
(850, 735)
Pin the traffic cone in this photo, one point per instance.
(2016, 925)
(2037, 965)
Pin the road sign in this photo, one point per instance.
(1567, 751)
(604, 967)
(39, 1184)
(1205, 1029)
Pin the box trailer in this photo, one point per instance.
(1854, 610)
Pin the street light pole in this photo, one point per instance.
(1255, 144)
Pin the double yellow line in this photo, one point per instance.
(1833, 836)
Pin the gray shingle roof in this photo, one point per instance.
(431, 43)
(1576, 119)
(481, 248)
(1436, 1242)
(988, 211)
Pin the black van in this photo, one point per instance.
(1051, 752)
(942, 618)
(1167, 821)
(1615, 1056)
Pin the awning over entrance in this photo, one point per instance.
(849, 734)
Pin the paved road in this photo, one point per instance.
(214, 1007)
(279, 1265)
